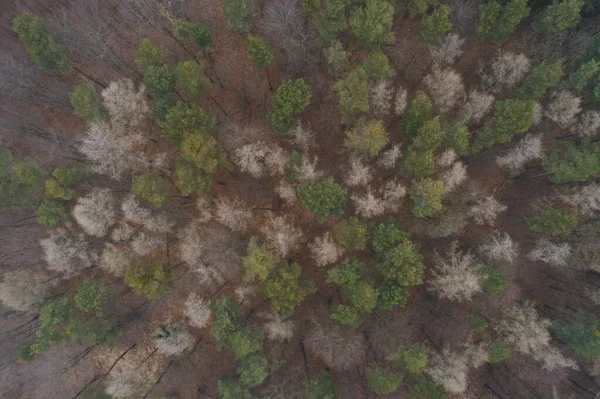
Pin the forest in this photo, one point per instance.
(300, 199)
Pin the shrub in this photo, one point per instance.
(324, 198)
(292, 97)
(152, 188)
(427, 197)
(151, 280)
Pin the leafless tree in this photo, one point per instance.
(172, 339)
(309, 171)
(486, 210)
(338, 347)
(23, 289)
(282, 236)
(95, 212)
(446, 88)
(499, 246)
(585, 199)
(144, 243)
(245, 292)
(278, 327)
(456, 275)
(388, 158)
(124, 103)
(159, 223)
(368, 205)
(401, 101)
(588, 125)
(449, 370)
(563, 108)
(528, 149)
(538, 113)
(133, 211)
(303, 137)
(233, 214)
(66, 254)
(448, 51)
(197, 310)
(115, 259)
(276, 159)
(250, 159)
(123, 384)
(381, 97)
(446, 158)
(325, 251)
(554, 254)
(392, 192)
(454, 176)
(358, 174)
(286, 192)
(123, 231)
(477, 105)
(506, 70)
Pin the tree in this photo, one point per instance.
(511, 117)
(238, 14)
(449, 370)
(497, 20)
(377, 66)
(498, 351)
(229, 329)
(197, 310)
(554, 254)
(457, 138)
(541, 77)
(331, 20)
(151, 280)
(563, 108)
(86, 102)
(68, 176)
(528, 149)
(446, 87)
(559, 17)
(259, 51)
(367, 137)
(184, 119)
(586, 71)
(414, 359)
(499, 246)
(433, 27)
(338, 347)
(427, 197)
(258, 262)
(95, 212)
(569, 162)
(552, 221)
(381, 97)
(325, 250)
(282, 236)
(581, 333)
(197, 31)
(190, 76)
(253, 369)
(321, 388)
(324, 198)
(383, 381)
(425, 388)
(372, 24)
(292, 98)
(41, 44)
(159, 80)
(419, 164)
(354, 234)
(456, 278)
(448, 51)
(230, 388)
(429, 136)
(21, 183)
(419, 111)
(286, 287)
(476, 106)
(150, 55)
(22, 289)
(92, 297)
(125, 105)
(152, 188)
(359, 174)
(54, 190)
(353, 95)
(486, 210)
(51, 214)
(337, 59)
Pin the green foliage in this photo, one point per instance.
(372, 24)
(86, 102)
(414, 359)
(498, 19)
(586, 71)
(541, 77)
(498, 352)
(418, 164)
(419, 111)
(511, 117)
(387, 235)
(291, 171)
(427, 197)
(151, 280)
(258, 262)
(238, 14)
(292, 98)
(202, 150)
(582, 333)
(331, 20)
(253, 369)
(311, 6)
(593, 49)
(377, 66)
(184, 119)
(392, 295)
(349, 273)
(478, 323)
(21, 184)
(403, 264)
(457, 138)
(321, 388)
(353, 95)
(229, 329)
(286, 287)
(197, 31)
(324, 198)
(569, 162)
(189, 179)
(159, 80)
(597, 92)
(433, 27)
(51, 214)
(259, 51)
(29, 172)
(230, 388)
(494, 281)
(559, 17)
(190, 76)
(367, 138)
(424, 388)
(430, 135)
(383, 381)
(354, 234)
(552, 221)
(420, 7)
(68, 176)
(92, 297)
(152, 188)
(162, 107)
(337, 59)
(347, 315)
(40, 43)
(55, 191)
(149, 54)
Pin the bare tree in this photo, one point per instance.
(23, 289)
(112, 149)
(456, 276)
(159, 223)
(126, 383)
(448, 51)
(338, 347)
(197, 310)
(477, 105)
(115, 259)
(563, 108)
(499, 246)
(381, 97)
(392, 192)
(172, 339)
(368, 205)
(528, 149)
(245, 292)
(133, 211)
(389, 157)
(233, 214)
(278, 327)
(286, 192)
(144, 243)
(124, 103)
(276, 159)
(281, 235)
(95, 212)
(585, 199)
(538, 113)
(65, 254)
(449, 370)
(446, 88)
(358, 174)
(325, 251)
(250, 159)
(506, 70)
(588, 125)
(454, 176)
(401, 101)
(123, 231)
(486, 210)
(303, 137)
(446, 158)
(309, 171)
(554, 254)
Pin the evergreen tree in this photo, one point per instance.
(86, 102)
(569, 162)
(582, 333)
(324, 198)
(259, 51)
(190, 76)
(292, 98)
(419, 111)
(353, 95)
(498, 19)
(150, 54)
(372, 24)
(238, 14)
(427, 197)
(51, 214)
(197, 31)
(540, 79)
(151, 280)
(286, 287)
(152, 188)
(159, 80)
(433, 27)
(559, 17)
(331, 20)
